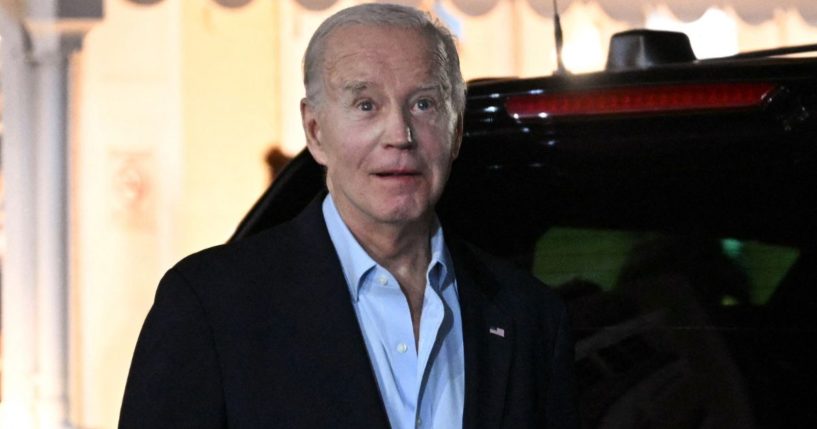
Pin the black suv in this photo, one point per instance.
(671, 202)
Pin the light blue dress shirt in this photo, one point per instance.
(422, 387)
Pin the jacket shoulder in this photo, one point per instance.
(504, 273)
(283, 251)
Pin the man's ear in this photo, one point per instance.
(455, 145)
(312, 131)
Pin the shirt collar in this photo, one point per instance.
(353, 258)
(356, 262)
(440, 265)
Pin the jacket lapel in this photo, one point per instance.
(322, 305)
(488, 337)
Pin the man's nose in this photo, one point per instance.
(398, 130)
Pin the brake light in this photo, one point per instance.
(649, 99)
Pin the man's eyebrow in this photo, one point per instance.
(429, 88)
(356, 86)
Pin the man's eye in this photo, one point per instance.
(424, 104)
(366, 106)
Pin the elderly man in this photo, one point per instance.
(360, 312)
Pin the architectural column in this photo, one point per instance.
(35, 325)
(19, 272)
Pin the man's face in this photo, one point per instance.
(384, 128)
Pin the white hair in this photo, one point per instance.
(379, 14)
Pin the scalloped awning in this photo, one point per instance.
(690, 10)
(630, 10)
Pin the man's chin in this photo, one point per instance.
(406, 214)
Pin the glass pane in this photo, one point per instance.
(680, 332)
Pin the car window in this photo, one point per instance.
(681, 332)
(564, 255)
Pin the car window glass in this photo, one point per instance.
(564, 255)
(674, 331)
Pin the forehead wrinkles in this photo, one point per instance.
(438, 61)
(355, 54)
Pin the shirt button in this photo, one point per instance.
(402, 347)
(383, 280)
(419, 422)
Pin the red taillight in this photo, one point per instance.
(659, 98)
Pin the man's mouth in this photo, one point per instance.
(396, 174)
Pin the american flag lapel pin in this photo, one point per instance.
(499, 332)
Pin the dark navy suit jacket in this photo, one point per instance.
(261, 333)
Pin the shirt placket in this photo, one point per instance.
(396, 335)
(430, 322)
